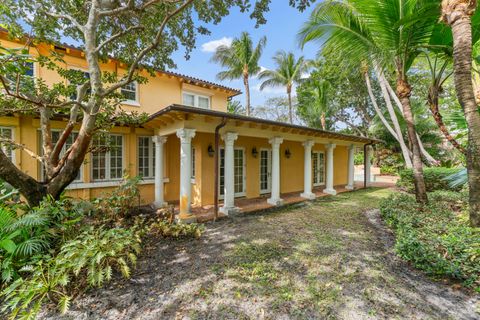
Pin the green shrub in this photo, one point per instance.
(388, 170)
(435, 238)
(118, 204)
(177, 229)
(87, 260)
(435, 179)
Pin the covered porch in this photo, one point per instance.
(257, 164)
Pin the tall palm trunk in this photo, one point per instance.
(290, 111)
(323, 121)
(247, 93)
(404, 91)
(458, 15)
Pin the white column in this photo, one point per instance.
(329, 183)
(367, 167)
(185, 136)
(351, 168)
(229, 182)
(159, 142)
(307, 173)
(275, 195)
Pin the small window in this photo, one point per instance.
(107, 159)
(146, 157)
(129, 91)
(193, 163)
(195, 100)
(7, 133)
(189, 99)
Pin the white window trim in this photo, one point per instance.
(324, 169)
(269, 169)
(151, 158)
(79, 180)
(136, 102)
(14, 161)
(244, 192)
(195, 99)
(108, 164)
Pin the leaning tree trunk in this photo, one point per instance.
(31, 189)
(404, 91)
(247, 93)
(458, 15)
(437, 116)
(290, 111)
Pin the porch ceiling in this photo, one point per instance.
(167, 120)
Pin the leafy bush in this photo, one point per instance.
(434, 238)
(388, 170)
(435, 179)
(116, 205)
(89, 259)
(26, 236)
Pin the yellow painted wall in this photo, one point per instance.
(159, 92)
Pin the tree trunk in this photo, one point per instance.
(323, 120)
(290, 112)
(458, 15)
(247, 93)
(433, 104)
(31, 189)
(405, 150)
(404, 91)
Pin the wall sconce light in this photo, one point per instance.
(210, 151)
(254, 152)
(288, 154)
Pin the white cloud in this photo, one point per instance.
(270, 90)
(211, 46)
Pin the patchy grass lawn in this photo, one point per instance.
(324, 259)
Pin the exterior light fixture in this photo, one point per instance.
(210, 151)
(254, 152)
(288, 154)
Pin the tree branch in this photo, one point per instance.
(22, 147)
(147, 49)
(116, 36)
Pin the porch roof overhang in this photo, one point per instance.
(177, 116)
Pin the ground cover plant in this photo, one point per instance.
(436, 178)
(53, 252)
(437, 237)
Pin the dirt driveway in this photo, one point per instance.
(330, 259)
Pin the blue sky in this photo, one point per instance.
(283, 23)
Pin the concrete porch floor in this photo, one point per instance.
(245, 205)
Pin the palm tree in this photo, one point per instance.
(388, 33)
(241, 60)
(457, 14)
(288, 72)
(318, 92)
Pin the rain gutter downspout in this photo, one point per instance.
(216, 162)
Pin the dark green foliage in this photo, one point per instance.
(388, 170)
(435, 179)
(435, 238)
(177, 230)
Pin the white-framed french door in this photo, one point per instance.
(265, 171)
(239, 172)
(318, 159)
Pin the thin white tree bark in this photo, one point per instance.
(394, 96)
(405, 151)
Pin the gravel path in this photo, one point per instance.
(330, 259)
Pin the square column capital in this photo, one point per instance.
(308, 144)
(159, 139)
(351, 147)
(185, 135)
(229, 137)
(275, 141)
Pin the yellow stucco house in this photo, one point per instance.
(174, 151)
